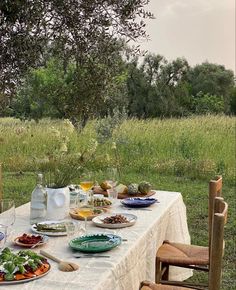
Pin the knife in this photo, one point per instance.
(91, 256)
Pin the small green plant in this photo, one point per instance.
(106, 126)
(61, 167)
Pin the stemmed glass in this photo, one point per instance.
(85, 209)
(112, 174)
(7, 213)
(86, 206)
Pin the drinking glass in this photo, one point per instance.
(70, 229)
(112, 194)
(85, 209)
(73, 199)
(86, 184)
(7, 213)
(3, 234)
(112, 176)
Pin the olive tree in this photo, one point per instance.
(86, 32)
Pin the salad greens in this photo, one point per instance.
(11, 262)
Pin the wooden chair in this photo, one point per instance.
(146, 285)
(190, 256)
(215, 190)
(186, 256)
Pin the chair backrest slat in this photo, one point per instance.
(217, 243)
(215, 190)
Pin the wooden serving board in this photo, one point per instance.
(76, 216)
(99, 190)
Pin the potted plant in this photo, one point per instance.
(60, 169)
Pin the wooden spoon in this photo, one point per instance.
(62, 265)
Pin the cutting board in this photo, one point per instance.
(99, 190)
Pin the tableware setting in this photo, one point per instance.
(138, 202)
(62, 265)
(141, 189)
(85, 207)
(75, 213)
(7, 212)
(95, 243)
(50, 228)
(90, 256)
(115, 220)
(22, 266)
(31, 241)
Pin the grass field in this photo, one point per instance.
(178, 155)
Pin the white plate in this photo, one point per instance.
(34, 229)
(98, 221)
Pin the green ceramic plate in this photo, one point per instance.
(95, 243)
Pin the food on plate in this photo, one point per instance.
(101, 202)
(133, 188)
(95, 211)
(53, 227)
(22, 265)
(144, 187)
(116, 219)
(122, 189)
(76, 214)
(105, 185)
(30, 239)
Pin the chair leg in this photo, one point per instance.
(165, 271)
(158, 270)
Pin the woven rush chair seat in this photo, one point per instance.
(146, 285)
(182, 254)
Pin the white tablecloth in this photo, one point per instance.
(130, 263)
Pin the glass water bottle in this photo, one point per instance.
(38, 205)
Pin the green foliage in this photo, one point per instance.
(208, 104)
(83, 31)
(233, 101)
(106, 126)
(173, 154)
(212, 79)
(44, 92)
(158, 87)
(155, 88)
(72, 93)
(197, 147)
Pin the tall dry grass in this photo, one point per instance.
(196, 147)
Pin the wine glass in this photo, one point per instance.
(85, 209)
(7, 213)
(86, 184)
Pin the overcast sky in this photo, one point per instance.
(198, 30)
